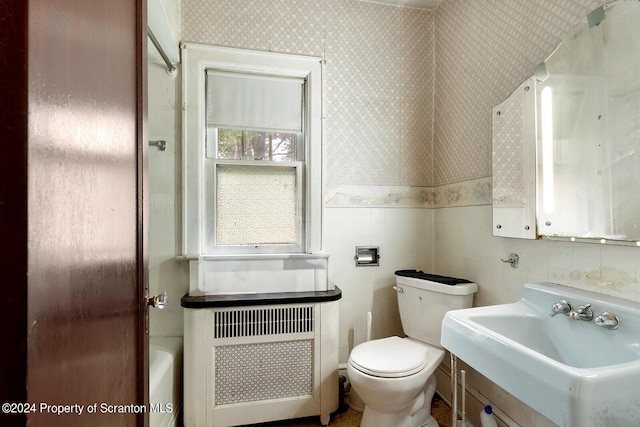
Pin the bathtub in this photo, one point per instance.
(165, 381)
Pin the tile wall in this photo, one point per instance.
(403, 236)
(166, 273)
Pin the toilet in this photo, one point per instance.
(394, 376)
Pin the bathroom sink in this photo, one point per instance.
(574, 372)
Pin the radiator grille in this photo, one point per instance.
(263, 321)
(254, 372)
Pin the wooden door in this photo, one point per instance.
(72, 211)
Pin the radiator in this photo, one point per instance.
(250, 371)
(259, 364)
(254, 322)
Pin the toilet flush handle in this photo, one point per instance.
(398, 289)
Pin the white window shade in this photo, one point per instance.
(254, 102)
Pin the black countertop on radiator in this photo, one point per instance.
(239, 300)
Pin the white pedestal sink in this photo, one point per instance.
(574, 372)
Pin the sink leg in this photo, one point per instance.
(454, 389)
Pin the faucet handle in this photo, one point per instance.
(584, 312)
(584, 308)
(607, 320)
(561, 306)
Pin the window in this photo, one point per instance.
(255, 148)
(252, 152)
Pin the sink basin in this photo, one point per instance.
(574, 372)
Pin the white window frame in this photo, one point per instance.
(196, 59)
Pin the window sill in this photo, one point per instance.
(251, 257)
(250, 273)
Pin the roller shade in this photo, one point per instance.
(254, 102)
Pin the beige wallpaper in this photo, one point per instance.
(384, 77)
(484, 50)
(379, 76)
(286, 26)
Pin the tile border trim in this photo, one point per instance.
(466, 193)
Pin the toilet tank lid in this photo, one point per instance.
(445, 280)
(433, 283)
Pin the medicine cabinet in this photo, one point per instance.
(566, 143)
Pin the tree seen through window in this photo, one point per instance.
(253, 145)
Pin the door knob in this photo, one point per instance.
(158, 301)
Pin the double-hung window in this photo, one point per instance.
(255, 159)
(255, 142)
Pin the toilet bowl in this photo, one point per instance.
(394, 376)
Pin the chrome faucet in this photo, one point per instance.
(583, 313)
(562, 307)
(607, 320)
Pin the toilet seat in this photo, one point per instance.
(392, 357)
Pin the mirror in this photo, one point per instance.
(584, 122)
(513, 160)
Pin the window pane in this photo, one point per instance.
(229, 144)
(256, 145)
(283, 146)
(256, 205)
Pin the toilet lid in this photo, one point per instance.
(389, 357)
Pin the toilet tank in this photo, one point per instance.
(423, 304)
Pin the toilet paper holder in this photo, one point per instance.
(367, 256)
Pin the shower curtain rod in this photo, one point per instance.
(170, 67)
